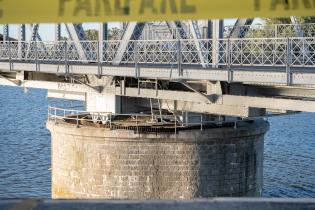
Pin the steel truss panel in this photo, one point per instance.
(77, 35)
(241, 28)
(297, 26)
(132, 32)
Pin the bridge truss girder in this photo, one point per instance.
(239, 31)
(77, 34)
(134, 30)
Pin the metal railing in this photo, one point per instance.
(136, 122)
(145, 122)
(269, 52)
(111, 120)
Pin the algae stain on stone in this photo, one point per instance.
(61, 192)
(78, 160)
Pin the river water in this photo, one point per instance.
(289, 167)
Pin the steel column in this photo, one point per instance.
(5, 32)
(34, 36)
(57, 32)
(297, 26)
(241, 27)
(181, 33)
(201, 50)
(217, 34)
(21, 40)
(103, 36)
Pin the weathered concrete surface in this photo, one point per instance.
(211, 204)
(96, 163)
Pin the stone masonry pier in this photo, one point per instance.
(100, 163)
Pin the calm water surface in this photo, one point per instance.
(25, 149)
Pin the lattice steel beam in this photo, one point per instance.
(297, 26)
(6, 32)
(57, 32)
(103, 32)
(133, 31)
(181, 33)
(196, 35)
(21, 39)
(77, 34)
(202, 51)
(102, 36)
(34, 32)
(217, 29)
(34, 37)
(21, 32)
(239, 31)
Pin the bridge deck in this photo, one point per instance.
(275, 76)
(289, 61)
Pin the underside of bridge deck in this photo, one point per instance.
(200, 96)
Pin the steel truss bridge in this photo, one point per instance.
(194, 66)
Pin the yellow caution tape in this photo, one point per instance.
(48, 11)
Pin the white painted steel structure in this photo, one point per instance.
(241, 72)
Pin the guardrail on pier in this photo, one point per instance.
(142, 122)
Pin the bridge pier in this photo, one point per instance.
(146, 162)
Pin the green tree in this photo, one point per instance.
(114, 34)
(91, 34)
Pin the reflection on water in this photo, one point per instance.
(25, 149)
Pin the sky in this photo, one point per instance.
(47, 31)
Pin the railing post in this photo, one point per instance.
(229, 61)
(99, 58)
(136, 57)
(66, 58)
(36, 55)
(10, 56)
(288, 61)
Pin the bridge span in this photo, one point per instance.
(285, 65)
(172, 110)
